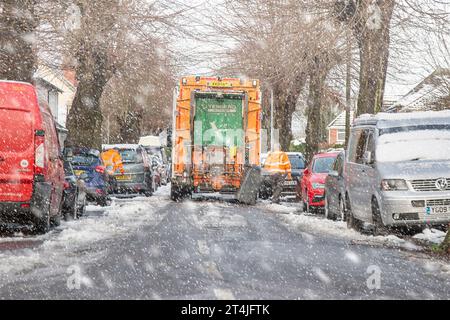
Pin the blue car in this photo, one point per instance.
(88, 166)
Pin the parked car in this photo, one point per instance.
(31, 166)
(160, 161)
(88, 166)
(397, 170)
(159, 171)
(312, 187)
(335, 190)
(297, 163)
(138, 175)
(74, 204)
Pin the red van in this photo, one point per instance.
(31, 166)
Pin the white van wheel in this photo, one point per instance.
(341, 209)
(379, 229)
(328, 216)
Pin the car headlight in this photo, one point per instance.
(318, 186)
(394, 185)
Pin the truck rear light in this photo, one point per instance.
(39, 152)
(100, 169)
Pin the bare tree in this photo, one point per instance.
(370, 21)
(18, 23)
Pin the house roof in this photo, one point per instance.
(426, 93)
(339, 122)
(49, 74)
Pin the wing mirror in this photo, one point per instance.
(83, 176)
(368, 158)
(334, 173)
(306, 171)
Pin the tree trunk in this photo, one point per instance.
(85, 117)
(285, 105)
(17, 55)
(316, 90)
(373, 38)
(130, 126)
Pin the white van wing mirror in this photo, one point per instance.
(368, 158)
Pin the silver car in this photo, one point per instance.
(397, 170)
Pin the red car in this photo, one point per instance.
(31, 166)
(312, 186)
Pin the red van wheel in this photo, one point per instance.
(42, 224)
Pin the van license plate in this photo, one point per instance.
(438, 210)
(78, 172)
(290, 183)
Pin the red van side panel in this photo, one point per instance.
(19, 118)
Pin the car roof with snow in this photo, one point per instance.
(121, 146)
(391, 120)
(326, 154)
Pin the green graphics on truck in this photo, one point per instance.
(218, 120)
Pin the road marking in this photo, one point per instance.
(224, 294)
(203, 247)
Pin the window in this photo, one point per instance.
(341, 136)
(323, 165)
(355, 138)
(297, 162)
(361, 146)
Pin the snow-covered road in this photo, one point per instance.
(152, 248)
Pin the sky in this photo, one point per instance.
(408, 66)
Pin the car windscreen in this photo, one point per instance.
(131, 156)
(85, 160)
(323, 165)
(297, 162)
(416, 144)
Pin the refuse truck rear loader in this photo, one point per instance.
(216, 139)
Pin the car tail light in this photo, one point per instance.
(39, 152)
(100, 169)
(66, 185)
(25, 205)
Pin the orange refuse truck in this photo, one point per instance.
(216, 138)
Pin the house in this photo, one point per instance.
(432, 93)
(336, 129)
(57, 89)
